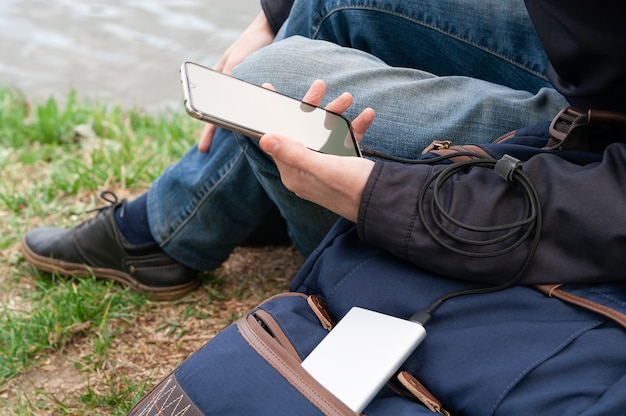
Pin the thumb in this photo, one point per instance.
(270, 144)
(283, 149)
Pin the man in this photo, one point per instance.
(495, 344)
(200, 209)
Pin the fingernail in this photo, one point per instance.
(269, 144)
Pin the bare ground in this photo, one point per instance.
(149, 347)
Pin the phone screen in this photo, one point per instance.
(253, 111)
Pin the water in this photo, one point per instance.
(123, 51)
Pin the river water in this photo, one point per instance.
(123, 51)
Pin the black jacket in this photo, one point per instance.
(586, 45)
(583, 203)
(276, 12)
(583, 195)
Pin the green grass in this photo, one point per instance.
(55, 158)
(110, 343)
(49, 153)
(56, 312)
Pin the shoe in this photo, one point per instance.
(97, 248)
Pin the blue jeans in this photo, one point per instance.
(432, 70)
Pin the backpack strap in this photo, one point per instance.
(574, 128)
(555, 291)
(551, 290)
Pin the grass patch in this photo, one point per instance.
(82, 346)
(49, 152)
(56, 312)
(55, 159)
(51, 157)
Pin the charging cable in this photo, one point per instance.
(509, 169)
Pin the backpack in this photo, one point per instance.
(523, 350)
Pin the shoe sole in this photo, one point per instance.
(67, 269)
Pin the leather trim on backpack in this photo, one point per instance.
(289, 367)
(320, 310)
(554, 291)
(447, 148)
(276, 331)
(166, 398)
(418, 392)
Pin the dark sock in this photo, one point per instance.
(132, 220)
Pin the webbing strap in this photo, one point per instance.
(572, 128)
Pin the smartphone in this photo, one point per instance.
(252, 110)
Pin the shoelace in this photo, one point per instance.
(112, 199)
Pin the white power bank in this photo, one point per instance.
(359, 355)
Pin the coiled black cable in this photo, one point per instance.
(520, 231)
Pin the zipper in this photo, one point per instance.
(274, 347)
(437, 145)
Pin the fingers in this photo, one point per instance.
(318, 177)
(339, 105)
(290, 158)
(268, 86)
(316, 93)
(362, 123)
(207, 137)
(296, 164)
(219, 66)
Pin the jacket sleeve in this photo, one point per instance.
(276, 12)
(583, 238)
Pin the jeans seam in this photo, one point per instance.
(429, 26)
(205, 194)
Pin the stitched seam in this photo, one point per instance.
(201, 202)
(348, 275)
(609, 297)
(532, 365)
(416, 215)
(432, 27)
(585, 301)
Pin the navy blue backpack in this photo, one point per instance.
(520, 351)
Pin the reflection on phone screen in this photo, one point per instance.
(254, 111)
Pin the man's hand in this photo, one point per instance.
(334, 182)
(257, 35)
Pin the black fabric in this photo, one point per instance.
(582, 202)
(585, 43)
(276, 12)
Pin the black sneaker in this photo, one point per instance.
(97, 248)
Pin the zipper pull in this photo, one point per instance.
(437, 145)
